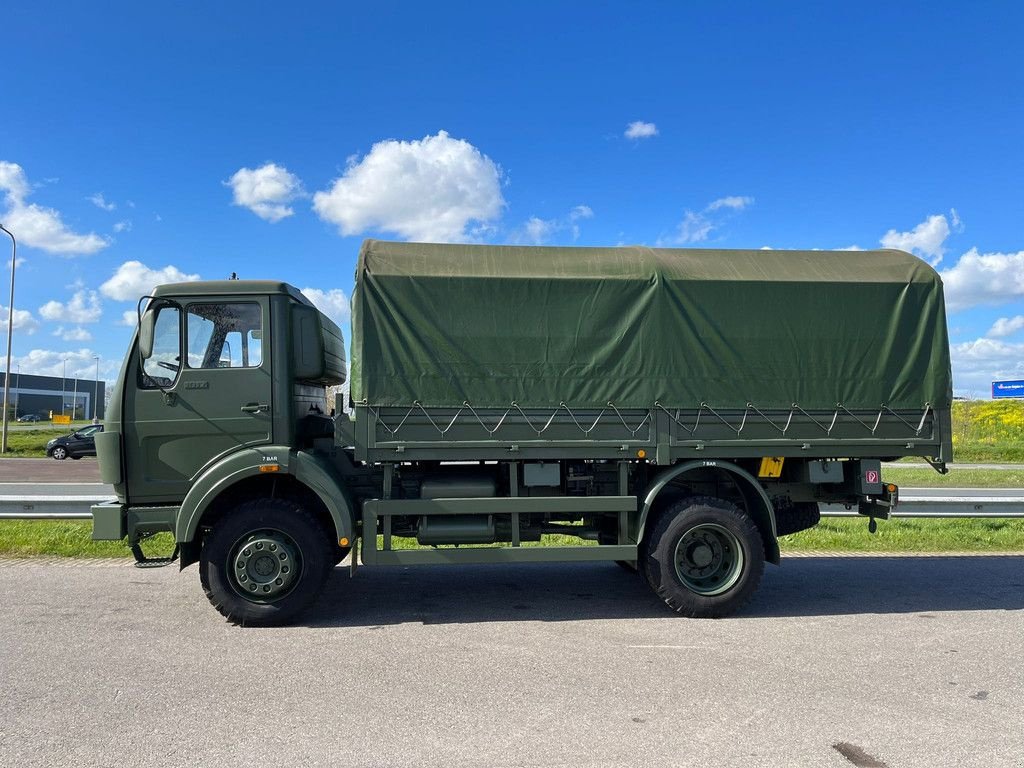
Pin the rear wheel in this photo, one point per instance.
(798, 516)
(704, 557)
(265, 562)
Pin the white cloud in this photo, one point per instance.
(266, 191)
(958, 225)
(976, 364)
(100, 202)
(84, 307)
(926, 239)
(79, 363)
(428, 190)
(734, 202)
(129, 317)
(123, 226)
(13, 181)
(133, 279)
(984, 278)
(1005, 326)
(36, 226)
(78, 333)
(333, 303)
(694, 228)
(697, 226)
(638, 129)
(538, 231)
(23, 321)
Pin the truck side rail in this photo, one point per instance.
(665, 434)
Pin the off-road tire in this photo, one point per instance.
(721, 518)
(797, 517)
(312, 548)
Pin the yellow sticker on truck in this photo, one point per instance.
(771, 466)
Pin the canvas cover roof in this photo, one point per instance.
(446, 324)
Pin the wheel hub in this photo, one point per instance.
(265, 566)
(708, 559)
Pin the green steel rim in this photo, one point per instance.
(264, 566)
(708, 559)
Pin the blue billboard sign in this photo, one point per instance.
(1007, 389)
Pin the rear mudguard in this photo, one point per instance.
(758, 505)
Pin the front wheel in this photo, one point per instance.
(265, 562)
(59, 453)
(704, 557)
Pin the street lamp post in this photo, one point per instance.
(63, 385)
(74, 400)
(10, 334)
(96, 391)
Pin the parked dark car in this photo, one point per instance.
(75, 445)
(30, 417)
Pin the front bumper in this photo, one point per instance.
(108, 521)
(112, 521)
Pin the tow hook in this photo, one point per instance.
(141, 561)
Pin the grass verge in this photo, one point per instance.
(957, 478)
(851, 535)
(30, 538)
(67, 538)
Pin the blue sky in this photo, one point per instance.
(143, 142)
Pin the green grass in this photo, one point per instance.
(851, 535)
(957, 478)
(32, 443)
(66, 538)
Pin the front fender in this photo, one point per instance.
(759, 506)
(314, 473)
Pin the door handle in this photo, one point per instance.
(256, 408)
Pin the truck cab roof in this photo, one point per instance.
(232, 287)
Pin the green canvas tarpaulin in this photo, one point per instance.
(446, 324)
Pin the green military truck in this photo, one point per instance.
(675, 411)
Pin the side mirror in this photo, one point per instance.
(146, 333)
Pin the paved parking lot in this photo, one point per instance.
(892, 661)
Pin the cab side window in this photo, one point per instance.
(225, 336)
(160, 370)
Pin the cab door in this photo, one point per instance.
(205, 392)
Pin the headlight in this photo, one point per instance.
(51, 443)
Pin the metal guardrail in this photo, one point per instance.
(978, 507)
(48, 507)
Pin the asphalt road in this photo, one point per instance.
(30, 490)
(899, 661)
(85, 470)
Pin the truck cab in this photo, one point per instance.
(221, 377)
